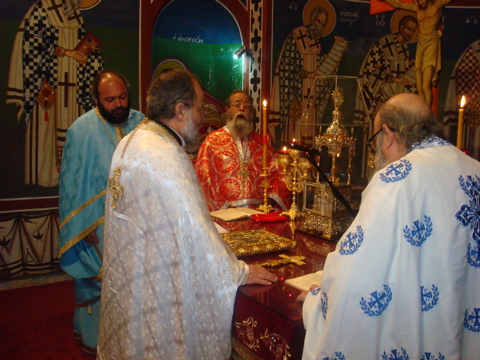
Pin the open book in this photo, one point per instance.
(231, 214)
(306, 281)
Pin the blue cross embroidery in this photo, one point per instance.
(472, 320)
(429, 298)
(377, 302)
(396, 355)
(324, 304)
(352, 242)
(430, 356)
(470, 215)
(338, 356)
(419, 232)
(396, 171)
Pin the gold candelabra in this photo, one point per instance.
(265, 207)
(296, 170)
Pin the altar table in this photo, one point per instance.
(267, 320)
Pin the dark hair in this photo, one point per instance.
(412, 123)
(100, 75)
(227, 102)
(406, 19)
(168, 90)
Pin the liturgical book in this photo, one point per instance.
(231, 214)
(306, 281)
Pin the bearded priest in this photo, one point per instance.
(171, 278)
(230, 161)
(89, 147)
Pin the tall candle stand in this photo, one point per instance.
(265, 207)
(296, 171)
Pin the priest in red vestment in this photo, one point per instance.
(230, 161)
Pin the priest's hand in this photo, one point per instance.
(304, 293)
(92, 238)
(258, 275)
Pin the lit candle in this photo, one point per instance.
(284, 151)
(264, 133)
(460, 123)
(294, 141)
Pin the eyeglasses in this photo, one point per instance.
(202, 110)
(372, 144)
(238, 105)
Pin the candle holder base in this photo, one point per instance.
(265, 208)
(293, 212)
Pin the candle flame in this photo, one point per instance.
(463, 102)
(284, 148)
(265, 104)
(293, 140)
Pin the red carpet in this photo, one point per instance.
(36, 323)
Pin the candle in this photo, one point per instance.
(284, 151)
(460, 123)
(264, 133)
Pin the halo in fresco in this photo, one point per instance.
(167, 63)
(88, 4)
(332, 16)
(397, 16)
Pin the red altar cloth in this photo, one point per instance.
(267, 320)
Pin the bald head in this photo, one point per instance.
(409, 116)
(411, 103)
(110, 91)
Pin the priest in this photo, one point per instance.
(171, 278)
(89, 147)
(230, 161)
(404, 280)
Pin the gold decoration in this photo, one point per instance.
(247, 334)
(318, 198)
(337, 137)
(297, 173)
(115, 187)
(326, 227)
(277, 345)
(254, 242)
(285, 259)
(243, 172)
(338, 97)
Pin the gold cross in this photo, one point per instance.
(243, 172)
(115, 187)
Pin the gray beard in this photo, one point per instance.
(191, 136)
(380, 160)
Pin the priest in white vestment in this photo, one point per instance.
(404, 280)
(169, 278)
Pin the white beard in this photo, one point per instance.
(239, 127)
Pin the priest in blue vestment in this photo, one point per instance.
(89, 147)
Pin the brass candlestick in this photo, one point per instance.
(296, 170)
(265, 207)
